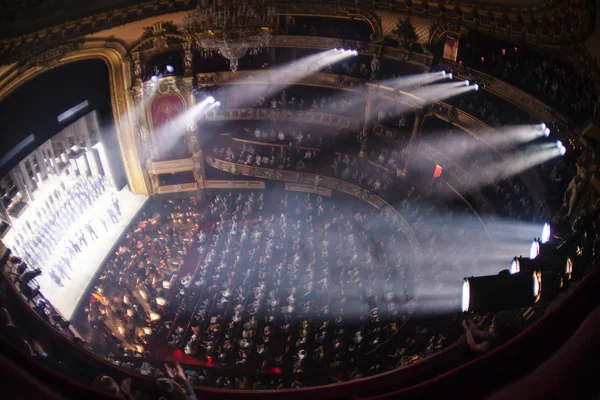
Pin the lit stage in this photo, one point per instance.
(86, 263)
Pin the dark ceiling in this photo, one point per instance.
(18, 17)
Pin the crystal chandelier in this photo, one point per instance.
(231, 27)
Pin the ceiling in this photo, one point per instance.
(19, 17)
(508, 3)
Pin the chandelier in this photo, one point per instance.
(231, 27)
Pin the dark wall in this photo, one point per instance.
(33, 108)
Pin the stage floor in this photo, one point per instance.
(86, 263)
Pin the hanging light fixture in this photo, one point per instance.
(231, 27)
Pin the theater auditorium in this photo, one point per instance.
(278, 199)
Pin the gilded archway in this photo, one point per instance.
(115, 57)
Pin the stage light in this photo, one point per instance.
(161, 301)
(154, 78)
(147, 330)
(170, 69)
(504, 291)
(563, 150)
(355, 52)
(218, 104)
(210, 99)
(450, 76)
(466, 295)
(546, 233)
(543, 126)
(154, 316)
(559, 144)
(476, 86)
(534, 250)
(515, 266)
(549, 257)
(546, 132)
(467, 83)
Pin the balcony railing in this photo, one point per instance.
(278, 114)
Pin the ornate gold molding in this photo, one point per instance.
(121, 100)
(171, 166)
(396, 95)
(184, 187)
(325, 182)
(278, 114)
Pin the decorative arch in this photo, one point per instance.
(114, 55)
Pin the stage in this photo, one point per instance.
(85, 264)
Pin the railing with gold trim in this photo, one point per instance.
(171, 166)
(266, 77)
(278, 114)
(233, 184)
(259, 143)
(184, 187)
(323, 181)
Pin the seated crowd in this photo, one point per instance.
(291, 98)
(509, 196)
(278, 157)
(302, 304)
(569, 89)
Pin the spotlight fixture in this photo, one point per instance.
(546, 132)
(443, 73)
(543, 125)
(170, 69)
(450, 76)
(546, 233)
(476, 86)
(210, 99)
(154, 78)
(218, 104)
(467, 83)
(563, 150)
(501, 292)
(534, 250)
(547, 257)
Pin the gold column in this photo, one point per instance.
(416, 131)
(193, 142)
(187, 59)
